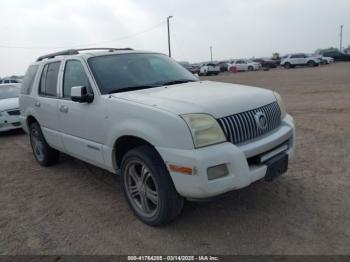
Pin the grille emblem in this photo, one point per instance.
(261, 120)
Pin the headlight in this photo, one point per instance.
(205, 129)
(280, 104)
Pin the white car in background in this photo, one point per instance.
(300, 59)
(209, 69)
(9, 107)
(244, 65)
(327, 60)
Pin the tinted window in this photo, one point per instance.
(74, 75)
(29, 79)
(48, 81)
(9, 92)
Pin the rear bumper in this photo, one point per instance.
(235, 157)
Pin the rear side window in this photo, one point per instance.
(48, 81)
(28, 79)
(74, 75)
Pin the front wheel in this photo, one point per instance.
(148, 187)
(43, 153)
(250, 68)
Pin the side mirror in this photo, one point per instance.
(81, 95)
(196, 75)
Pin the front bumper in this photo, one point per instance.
(9, 122)
(236, 158)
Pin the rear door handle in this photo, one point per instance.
(64, 109)
(37, 104)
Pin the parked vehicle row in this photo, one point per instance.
(287, 61)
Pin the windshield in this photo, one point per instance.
(9, 91)
(124, 72)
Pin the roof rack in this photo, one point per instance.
(76, 51)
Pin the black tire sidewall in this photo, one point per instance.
(50, 155)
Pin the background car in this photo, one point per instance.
(223, 66)
(193, 69)
(244, 65)
(299, 59)
(9, 107)
(266, 63)
(337, 56)
(9, 81)
(209, 69)
(327, 60)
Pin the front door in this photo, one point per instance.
(82, 124)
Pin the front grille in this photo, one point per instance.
(243, 126)
(14, 112)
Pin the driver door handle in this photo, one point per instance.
(64, 109)
(37, 104)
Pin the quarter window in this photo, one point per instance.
(29, 79)
(74, 75)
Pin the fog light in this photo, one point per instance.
(218, 171)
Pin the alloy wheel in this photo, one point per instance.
(141, 188)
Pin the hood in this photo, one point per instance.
(9, 103)
(215, 98)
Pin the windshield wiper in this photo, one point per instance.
(174, 82)
(131, 88)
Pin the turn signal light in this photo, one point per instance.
(181, 169)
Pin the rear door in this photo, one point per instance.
(46, 104)
(82, 125)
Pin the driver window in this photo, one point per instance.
(74, 75)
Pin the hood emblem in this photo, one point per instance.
(261, 120)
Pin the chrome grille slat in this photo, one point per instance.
(242, 127)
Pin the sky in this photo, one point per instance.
(234, 28)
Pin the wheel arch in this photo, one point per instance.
(125, 143)
(30, 120)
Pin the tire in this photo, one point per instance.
(143, 170)
(287, 65)
(311, 63)
(250, 68)
(43, 153)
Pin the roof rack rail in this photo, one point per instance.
(76, 51)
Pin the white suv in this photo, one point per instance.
(143, 116)
(244, 65)
(293, 60)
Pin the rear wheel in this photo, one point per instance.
(43, 153)
(148, 187)
(250, 68)
(287, 65)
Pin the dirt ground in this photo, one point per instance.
(75, 208)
